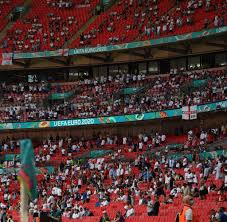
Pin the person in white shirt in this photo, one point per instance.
(140, 145)
(150, 205)
(218, 170)
(156, 165)
(54, 190)
(48, 157)
(167, 180)
(190, 135)
(163, 138)
(171, 163)
(189, 177)
(195, 180)
(76, 214)
(60, 143)
(45, 206)
(79, 183)
(174, 192)
(81, 211)
(103, 142)
(129, 211)
(104, 203)
(59, 192)
(63, 151)
(92, 165)
(202, 136)
(50, 200)
(216, 21)
(5, 147)
(145, 139)
(185, 162)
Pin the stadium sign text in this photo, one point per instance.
(221, 105)
(75, 122)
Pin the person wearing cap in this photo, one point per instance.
(186, 215)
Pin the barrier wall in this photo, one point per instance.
(111, 119)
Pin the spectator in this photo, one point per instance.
(150, 207)
(105, 217)
(156, 206)
(129, 211)
(213, 217)
(119, 217)
(222, 215)
(55, 212)
(202, 191)
(187, 214)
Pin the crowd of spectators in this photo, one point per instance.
(51, 24)
(102, 96)
(15, 98)
(69, 147)
(123, 22)
(142, 20)
(145, 185)
(26, 101)
(48, 26)
(61, 149)
(67, 3)
(37, 37)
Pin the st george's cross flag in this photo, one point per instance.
(6, 59)
(189, 112)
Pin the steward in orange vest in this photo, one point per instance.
(186, 215)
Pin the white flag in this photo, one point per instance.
(189, 112)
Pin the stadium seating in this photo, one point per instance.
(85, 173)
(167, 211)
(129, 22)
(119, 24)
(6, 7)
(48, 27)
(106, 97)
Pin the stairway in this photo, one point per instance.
(86, 25)
(26, 5)
(81, 30)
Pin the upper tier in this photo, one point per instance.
(123, 94)
(50, 25)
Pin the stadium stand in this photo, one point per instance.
(95, 162)
(110, 183)
(6, 7)
(51, 24)
(127, 22)
(48, 25)
(105, 96)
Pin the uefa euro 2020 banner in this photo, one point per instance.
(112, 119)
